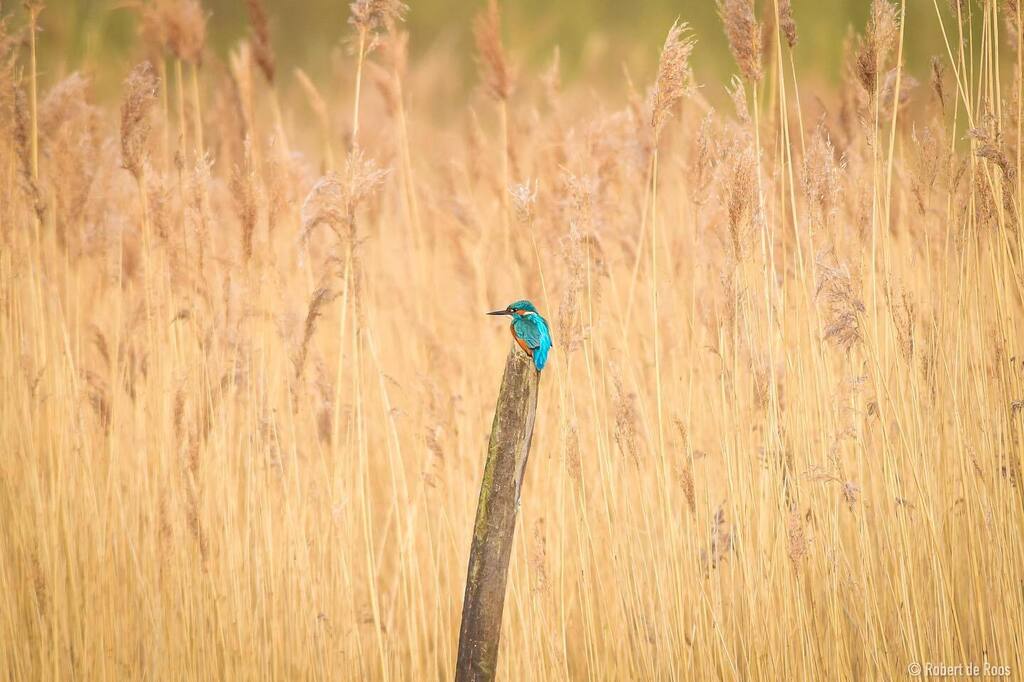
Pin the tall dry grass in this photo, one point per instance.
(247, 383)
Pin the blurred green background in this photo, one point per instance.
(596, 33)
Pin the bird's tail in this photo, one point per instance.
(540, 357)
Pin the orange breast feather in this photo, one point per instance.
(522, 344)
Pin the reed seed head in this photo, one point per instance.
(495, 70)
(335, 197)
(786, 22)
(672, 80)
(877, 43)
(140, 88)
(259, 37)
(372, 15)
(744, 34)
(176, 26)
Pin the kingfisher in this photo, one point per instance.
(530, 331)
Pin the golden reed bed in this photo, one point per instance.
(246, 382)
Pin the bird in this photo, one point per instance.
(530, 331)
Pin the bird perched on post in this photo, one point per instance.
(530, 331)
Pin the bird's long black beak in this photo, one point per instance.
(499, 312)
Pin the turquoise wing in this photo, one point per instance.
(533, 330)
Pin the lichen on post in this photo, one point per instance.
(493, 532)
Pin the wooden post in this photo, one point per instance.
(495, 525)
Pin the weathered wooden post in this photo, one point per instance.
(495, 524)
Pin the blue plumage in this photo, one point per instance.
(530, 331)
